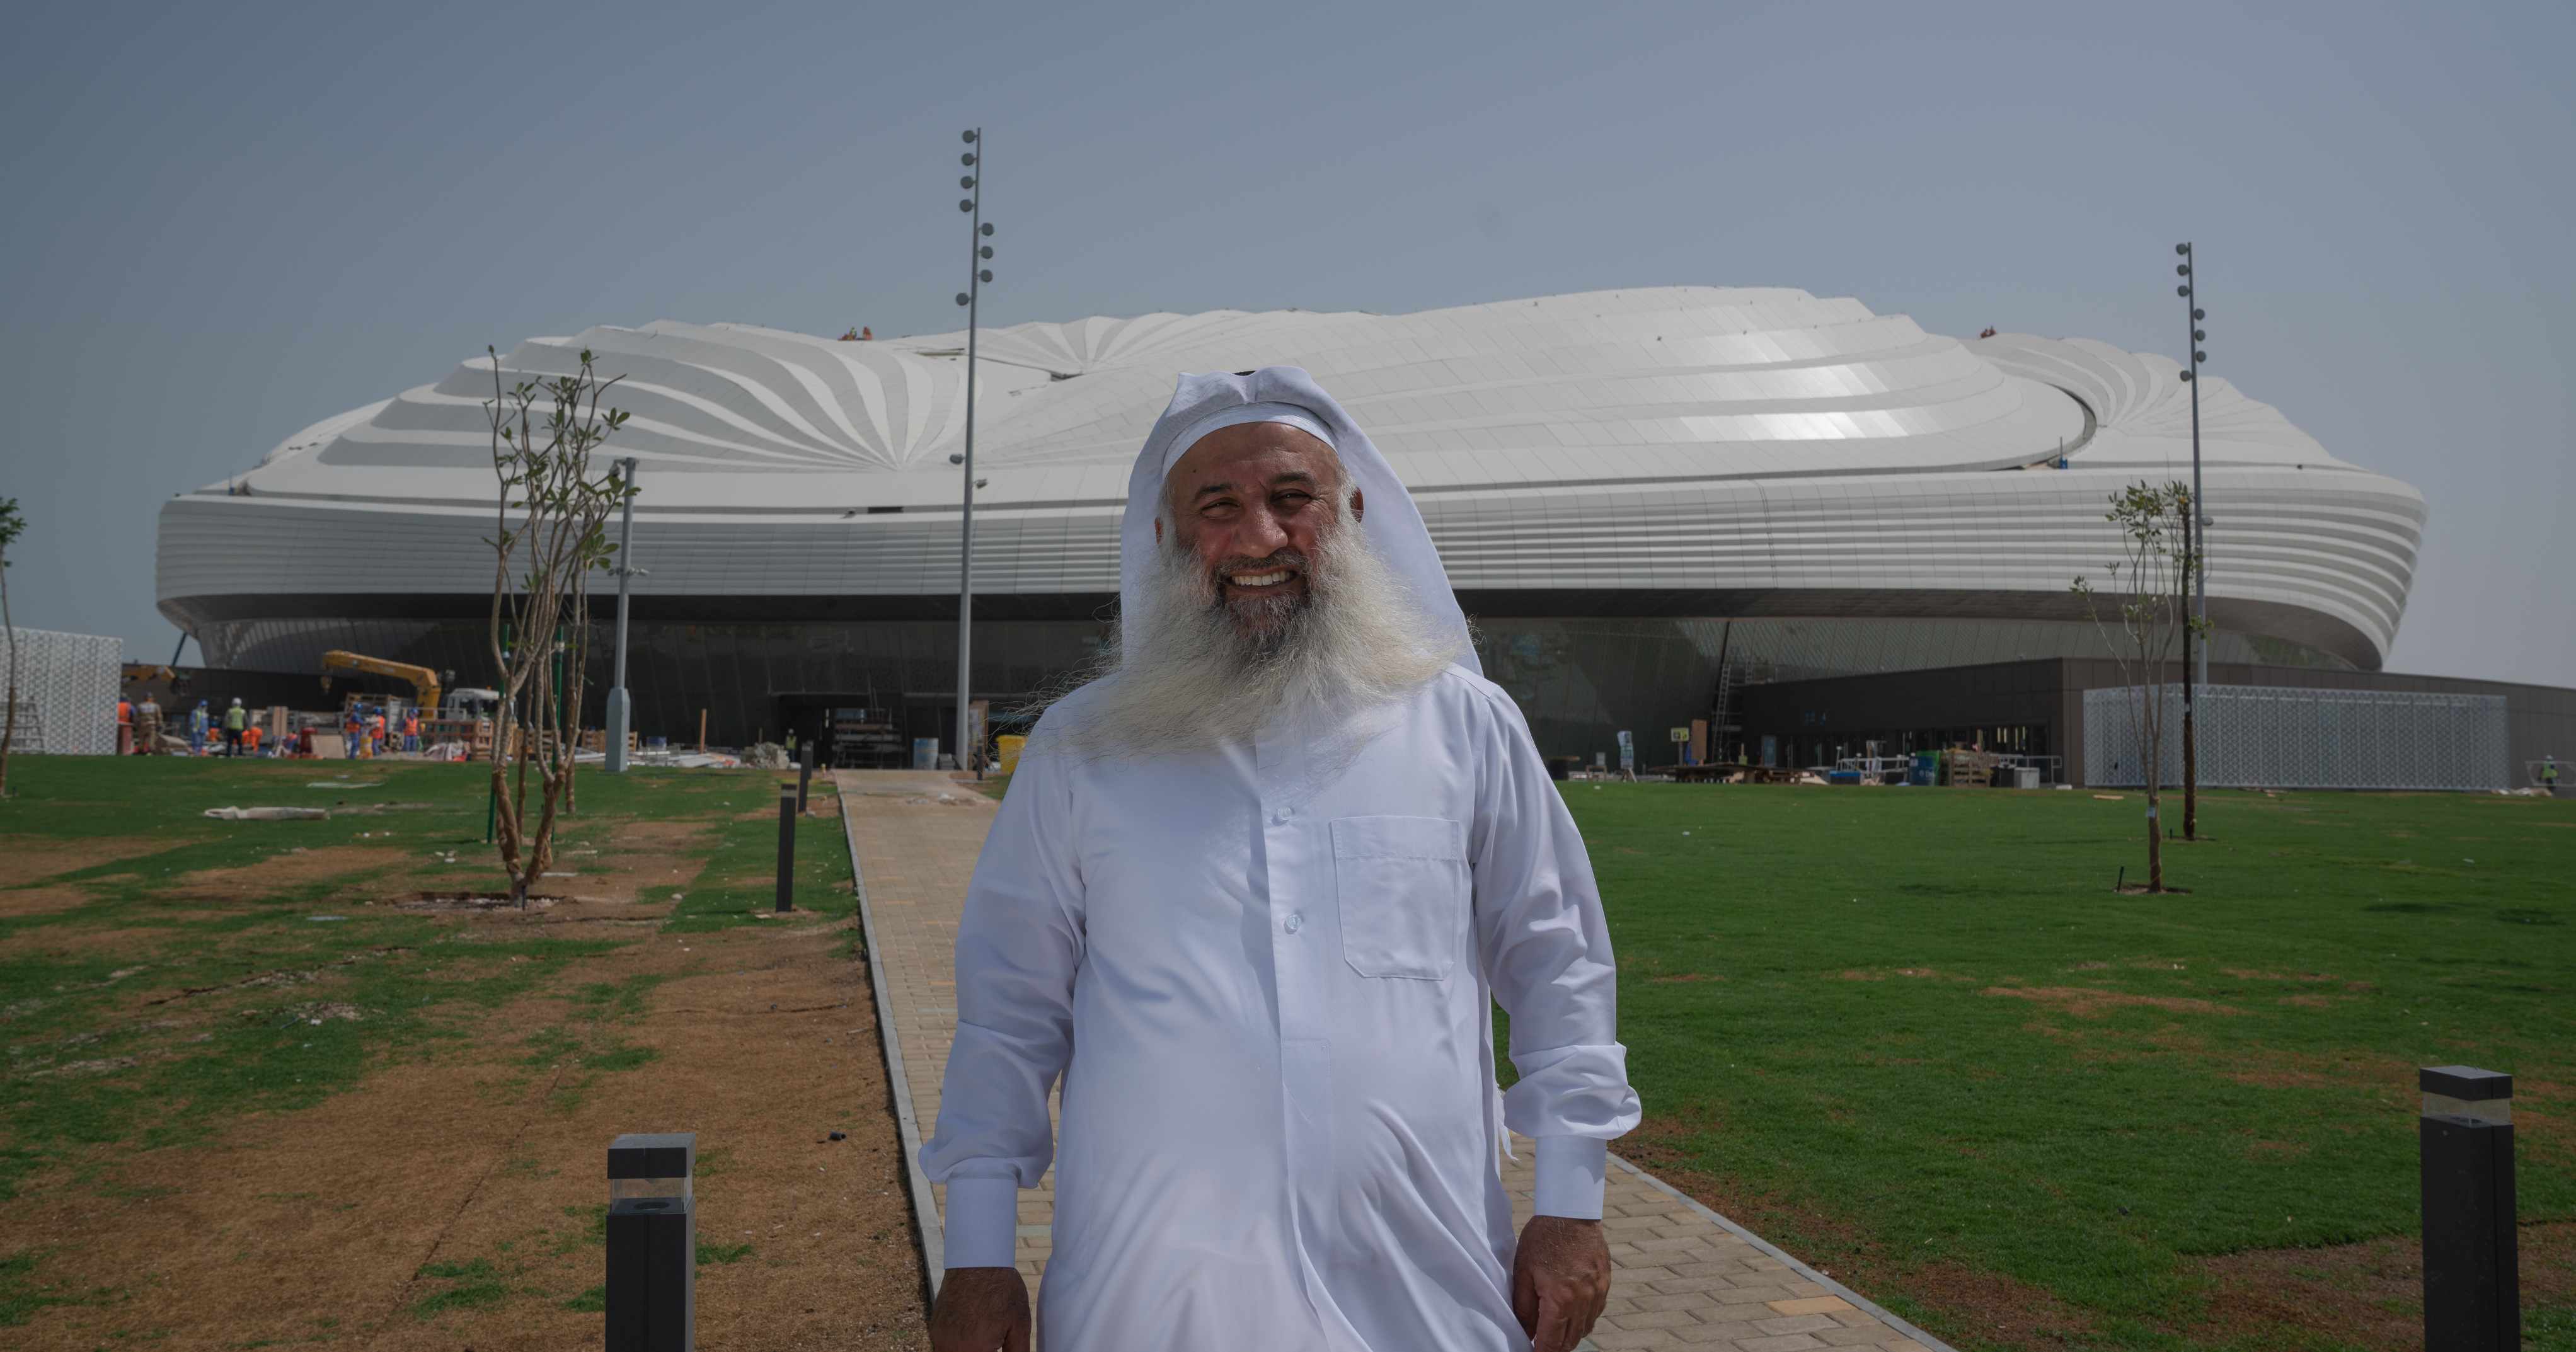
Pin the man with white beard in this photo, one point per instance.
(1253, 893)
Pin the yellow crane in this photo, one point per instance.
(424, 682)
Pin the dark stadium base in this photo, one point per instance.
(1579, 680)
(2036, 708)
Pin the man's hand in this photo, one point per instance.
(1560, 1281)
(986, 1309)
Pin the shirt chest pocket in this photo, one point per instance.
(1404, 894)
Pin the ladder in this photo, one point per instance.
(31, 728)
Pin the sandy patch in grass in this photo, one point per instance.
(27, 859)
(250, 882)
(2088, 1003)
(42, 900)
(450, 1200)
(2369, 1293)
(63, 941)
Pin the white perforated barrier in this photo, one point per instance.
(2284, 737)
(67, 686)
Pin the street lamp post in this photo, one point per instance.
(976, 275)
(2195, 537)
(621, 710)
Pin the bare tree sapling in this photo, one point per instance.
(2148, 582)
(551, 534)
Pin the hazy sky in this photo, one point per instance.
(228, 221)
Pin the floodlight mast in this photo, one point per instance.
(621, 706)
(2195, 538)
(2196, 528)
(976, 275)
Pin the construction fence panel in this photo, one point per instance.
(67, 687)
(2284, 737)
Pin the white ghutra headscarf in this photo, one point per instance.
(1284, 394)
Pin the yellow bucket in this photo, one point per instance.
(1010, 752)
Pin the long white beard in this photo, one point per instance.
(1194, 678)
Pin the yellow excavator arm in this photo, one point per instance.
(424, 681)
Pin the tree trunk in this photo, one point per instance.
(2190, 774)
(2153, 715)
(9, 730)
(2155, 843)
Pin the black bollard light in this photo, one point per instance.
(804, 774)
(652, 1242)
(2472, 1287)
(786, 847)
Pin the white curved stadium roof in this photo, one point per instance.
(1710, 450)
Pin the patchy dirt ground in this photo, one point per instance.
(2370, 1293)
(341, 1218)
(452, 1194)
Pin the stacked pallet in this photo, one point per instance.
(1973, 769)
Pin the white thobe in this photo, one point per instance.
(1266, 975)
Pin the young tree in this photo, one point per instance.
(2149, 582)
(551, 534)
(12, 525)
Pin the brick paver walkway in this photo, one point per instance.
(1684, 1277)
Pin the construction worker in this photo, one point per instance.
(124, 726)
(411, 729)
(147, 726)
(250, 740)
(350, 742)
(199, 723)
(376, 730)
(236, 718)
(2549, 774)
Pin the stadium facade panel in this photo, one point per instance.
(1637, 484)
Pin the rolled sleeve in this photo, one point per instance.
(1573, 1173)
(983, 1222)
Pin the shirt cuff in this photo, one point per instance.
(983, 1223)
(1572, 1174)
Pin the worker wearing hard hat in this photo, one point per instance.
(236, 718)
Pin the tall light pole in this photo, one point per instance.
(2197, 528)
(976, 275)
(621, 710)
(2195, 537)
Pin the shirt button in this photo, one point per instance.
(1296, 922)
(1283, 814)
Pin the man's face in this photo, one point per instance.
(1252, 505)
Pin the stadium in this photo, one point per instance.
(1641, 496)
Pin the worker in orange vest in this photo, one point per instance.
(411, 729)
(124, 726)
(250, 739)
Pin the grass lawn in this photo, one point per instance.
(258, 1087)
(1914, 1037)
